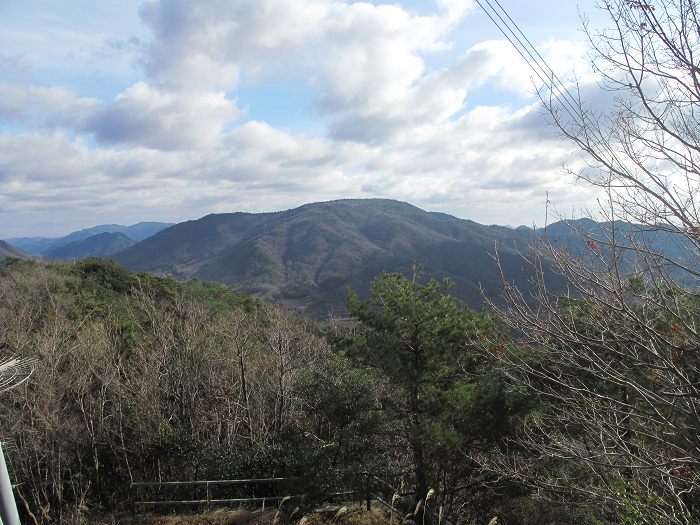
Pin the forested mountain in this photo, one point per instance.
(631, 239)
(308, 256)
(99, 245)
(44, 245)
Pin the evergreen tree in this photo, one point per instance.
(424, 342)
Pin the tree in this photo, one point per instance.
(618, 364)
(144, 378)
(423, 341)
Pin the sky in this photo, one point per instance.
(168, 110)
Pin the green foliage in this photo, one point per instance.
(342, 404)
(105, 274)
(441, 390)
(414, 331)
(220, 297)
(143, 378)
(533, 511)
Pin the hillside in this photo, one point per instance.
(308, 256)
(638, 248)
(159, 380)
(570, 234)
(44, 245)
(99, 245)
(8, 250)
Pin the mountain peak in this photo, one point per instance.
(306, 257)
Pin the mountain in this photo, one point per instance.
(144, 230)
(99, 245)
(8, 250)
(308, 256)
(573, 234)
(44, 245)
(639, 249)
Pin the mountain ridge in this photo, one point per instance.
(43, 245)
(9, 250)
(306, 257)
(98, 245)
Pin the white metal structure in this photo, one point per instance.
(13, 372)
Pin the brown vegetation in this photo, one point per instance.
(352, 515)
(139, 379)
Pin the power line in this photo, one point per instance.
(572, 106)
(546, 76)
(534, 49)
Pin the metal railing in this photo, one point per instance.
(211, 493)
(169, 493)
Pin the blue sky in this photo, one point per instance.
(169, 110)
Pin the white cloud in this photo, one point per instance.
(141, 115)
(386, 120)
(494, 157)
(145, 116)
(359, 56)
(498, 63)
(366, 63)
(42, 105)
(47, 159)
(204, 44)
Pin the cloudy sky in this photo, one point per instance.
(118, 112)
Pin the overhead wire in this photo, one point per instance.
(534, 49)
(547, 76)
(536, 61)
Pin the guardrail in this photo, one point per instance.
(263, 490)
(207, 496)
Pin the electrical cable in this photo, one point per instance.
(546, 76)
(534, 49)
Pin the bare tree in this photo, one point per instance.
(617, 362)
(239, 331)
(289, 348)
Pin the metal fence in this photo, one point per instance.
(208, 494)
(195, 495)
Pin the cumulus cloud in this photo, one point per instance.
(489, 162)
(141, 115)
(60, 162)
(42, 105)
(498, 63)
(203, 45)
(145, 116)
(359, 57)
(386, 120)
(365, 62)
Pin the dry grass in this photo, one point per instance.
(348, 515)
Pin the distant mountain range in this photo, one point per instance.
(47, 246)
(307, 257)
(99, 245)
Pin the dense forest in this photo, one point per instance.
(141, 378)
